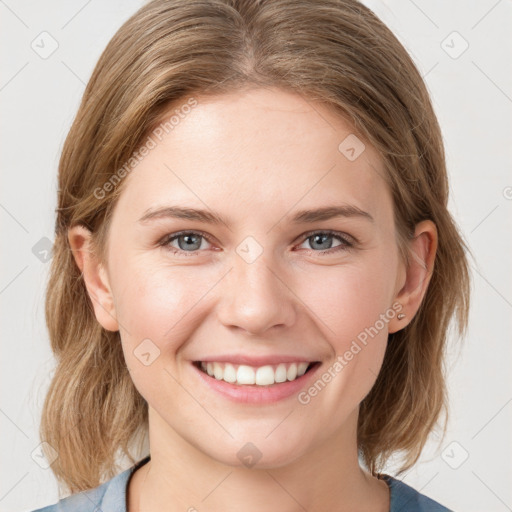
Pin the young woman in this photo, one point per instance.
(254, 265)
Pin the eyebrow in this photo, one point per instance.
(300, 217)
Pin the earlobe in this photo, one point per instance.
(95, 277)
(422, 250)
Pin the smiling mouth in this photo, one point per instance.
(244, 375)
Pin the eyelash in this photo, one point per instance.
(345, 246)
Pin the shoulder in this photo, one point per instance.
(107, 497)
(405, 498)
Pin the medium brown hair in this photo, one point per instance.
(334, 51)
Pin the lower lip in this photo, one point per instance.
(253, 394)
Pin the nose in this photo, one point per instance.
(256, 298)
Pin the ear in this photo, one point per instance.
(422, 249)
(95, 277)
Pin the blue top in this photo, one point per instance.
(111, 496)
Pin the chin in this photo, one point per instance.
(260, 453)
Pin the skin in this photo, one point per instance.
(255, 157)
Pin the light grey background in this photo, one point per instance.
(472, 95)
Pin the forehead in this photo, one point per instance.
(261, 149)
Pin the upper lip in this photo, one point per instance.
(256, 360)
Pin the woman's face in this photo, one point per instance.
(263, 287)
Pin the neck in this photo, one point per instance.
(179, 477)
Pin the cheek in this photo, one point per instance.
(161, 303)
(349, 305)
(347, 299)
(158, 311)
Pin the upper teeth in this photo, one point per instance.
(261, 376)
